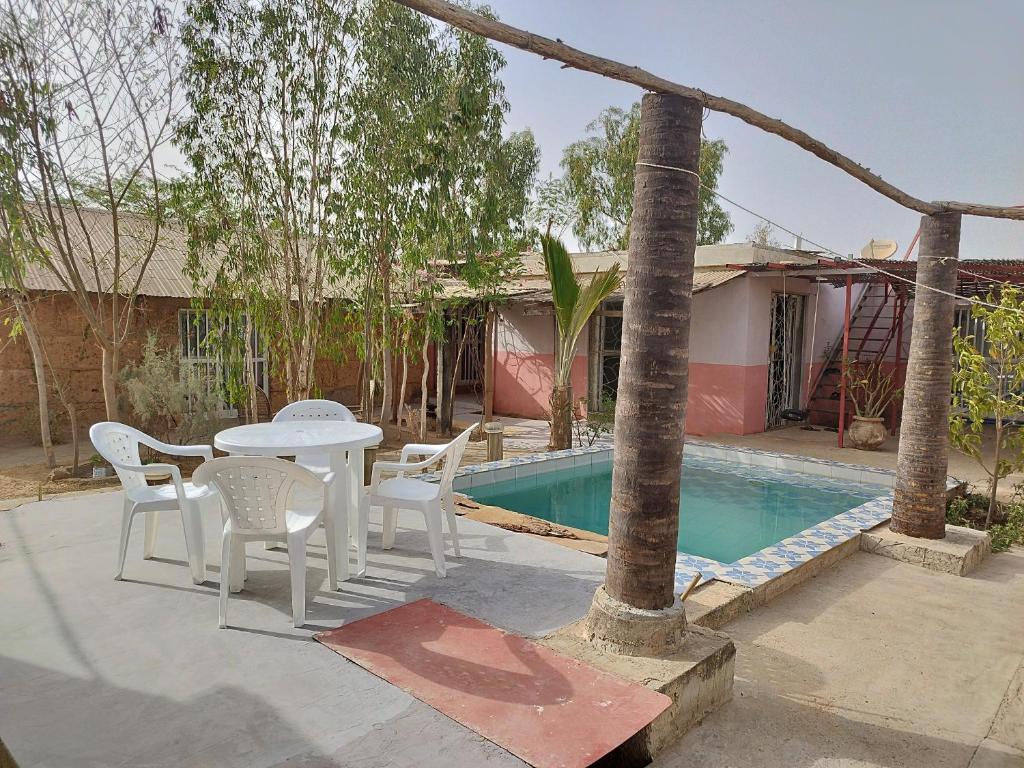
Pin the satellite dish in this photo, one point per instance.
(879, 249)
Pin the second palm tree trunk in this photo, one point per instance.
(919, 505)
(650, 407)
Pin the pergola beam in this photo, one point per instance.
(573, 57)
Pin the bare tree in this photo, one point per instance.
(98, 81)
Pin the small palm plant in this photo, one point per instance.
(574, 304)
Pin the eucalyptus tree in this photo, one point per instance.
(433, 183)
(99, 88)
(267, 86)
(597, 185)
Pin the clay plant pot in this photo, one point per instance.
(866, 434)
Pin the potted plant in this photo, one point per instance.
(871, 390)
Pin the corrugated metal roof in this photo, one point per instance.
(91, 232)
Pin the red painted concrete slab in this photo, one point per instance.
(549, 710)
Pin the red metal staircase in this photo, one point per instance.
(876, 326)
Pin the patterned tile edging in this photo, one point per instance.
(756, 569)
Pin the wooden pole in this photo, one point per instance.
(844, 361)
(901, 304)
(919, 503)
(493, 29)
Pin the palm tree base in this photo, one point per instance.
(616, 627)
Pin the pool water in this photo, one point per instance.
(727, 511)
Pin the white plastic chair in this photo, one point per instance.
(314, 410)
(119, 445)
(403, 492)
(261, 502)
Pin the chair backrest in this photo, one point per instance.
(254, 490)
(316, 410)
(119, 444)
(453, 457)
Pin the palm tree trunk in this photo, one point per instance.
(561, 418)
(919, 505)
(651, 406)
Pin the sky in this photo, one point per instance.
(928, 93)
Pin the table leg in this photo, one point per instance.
(337, 523)
(356, 491)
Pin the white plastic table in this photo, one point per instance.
(343, 441)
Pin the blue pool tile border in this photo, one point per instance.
(751, 571)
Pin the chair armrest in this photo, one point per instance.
(421, 449)
(328, 478)
(205, 451)
(398, 467)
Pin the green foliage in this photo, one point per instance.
(988, 384)
(1010, 533)
(596, 425)
(267, 87)
(597, 188)
(170, 400)
(574, 303)
(956, 510)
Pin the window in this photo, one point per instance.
(605, 350)
(194, 330)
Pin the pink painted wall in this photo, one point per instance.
(729, 340)
(522, 383)
(524, 364)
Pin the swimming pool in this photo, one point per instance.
(728, 511)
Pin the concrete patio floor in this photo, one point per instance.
(136, 673)
(876, 663)
(872, 663)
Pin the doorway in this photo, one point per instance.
(785, 345)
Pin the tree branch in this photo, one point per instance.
(577, 59)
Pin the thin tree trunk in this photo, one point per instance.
(450, 412)
(919, 504)
(39, 366)
(109, 375)
(650, 410)
(75, 443)
(440, 396)
(405, 381)
(994, 488)
(489, 331)
(424, 378)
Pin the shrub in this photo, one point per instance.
(169, 400)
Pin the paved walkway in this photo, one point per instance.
(876, 663)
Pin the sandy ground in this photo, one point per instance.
(822, 445)
(875, 663)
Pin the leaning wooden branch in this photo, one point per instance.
(577, 59)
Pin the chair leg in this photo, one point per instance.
(225, 579)
(435, 536)
(238, 574)
(390, 523)
(126, 527)
(297, 567)
(195, 544)
(363, 523)
(453, 524)
(152, 522)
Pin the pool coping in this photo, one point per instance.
(750, 572)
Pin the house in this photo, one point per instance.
(164, 306)
(766, 334)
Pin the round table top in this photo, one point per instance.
(294, 438)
